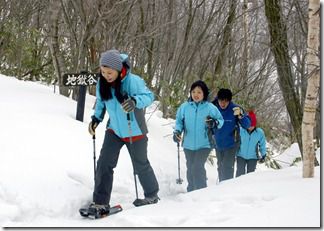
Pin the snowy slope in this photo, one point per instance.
(46, 173)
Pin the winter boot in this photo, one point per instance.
(146, 201)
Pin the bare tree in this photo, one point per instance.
(170, 44)
(313, 65)
(53, 44)
(225, 41)
(280, 50)
(246, 45)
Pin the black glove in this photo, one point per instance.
(176, 136)
(210, 122)
(93, 125)
(262, 159)
(129, 104)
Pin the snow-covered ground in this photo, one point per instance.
(46, 174)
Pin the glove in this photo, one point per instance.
(93, 125)
(129, 105)
(237, 111)
(176, 136)
(210, 122)
(262, 159)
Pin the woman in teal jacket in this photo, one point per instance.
(123, 96)
(195, 119)
(253, 141)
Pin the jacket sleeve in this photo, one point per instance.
(262, 143)
(215, 114)
(179, 125)
(245, 121)
(140, 92)
(100, 107)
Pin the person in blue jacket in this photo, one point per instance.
(124, 97)
(252, 141)
(195, 119)
(227, 138)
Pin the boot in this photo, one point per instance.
(146, 201)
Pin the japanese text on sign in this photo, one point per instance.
(80, 79)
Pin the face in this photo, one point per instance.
(109, 74)
(197, 94)
(223, 103)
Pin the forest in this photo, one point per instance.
(257, 48)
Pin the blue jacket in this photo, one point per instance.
(190, 119)
(225, 137)
(251, 143)
(133, 86)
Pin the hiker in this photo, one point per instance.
(252, 141)
(124, 96)
(196, 119)
(227, 138)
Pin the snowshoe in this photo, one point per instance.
(95, 211)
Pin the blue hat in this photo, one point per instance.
(111, 59)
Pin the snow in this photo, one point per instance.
(287, 157)
(46, 174)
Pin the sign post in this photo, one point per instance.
(82, 80)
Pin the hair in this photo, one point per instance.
(203, 86)
(105, 88)
(224, 94)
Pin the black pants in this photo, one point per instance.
(225, 163)
(196, 173)
(108, 160)
(244, 166)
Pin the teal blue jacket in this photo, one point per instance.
(190, 120)
(133, 86)
(251, 143)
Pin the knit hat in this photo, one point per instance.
(111, 59)
(253, 119)
(202, 85)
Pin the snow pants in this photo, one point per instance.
(196, 173)
(108, 160)
(225, 163)
(244, 166)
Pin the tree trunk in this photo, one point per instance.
(53, 44)
(279, 48)
(313, 85)
(225, 41)
(244, 66)
(150, 48)
(220, 59)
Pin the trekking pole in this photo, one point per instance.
(179, 180)
(131, 151)
(94, 156)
